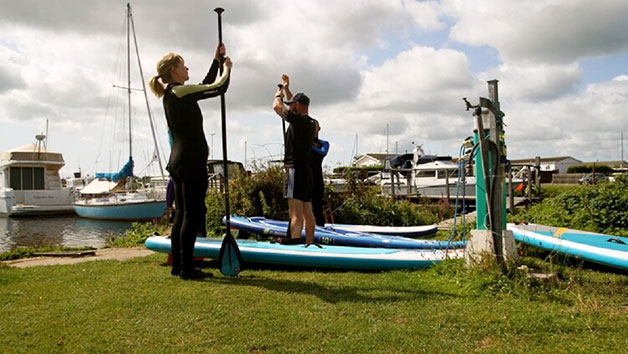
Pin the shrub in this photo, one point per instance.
(599, 208)
(137, 234)
(588, 168)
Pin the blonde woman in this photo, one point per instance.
(188, 157)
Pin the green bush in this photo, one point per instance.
(588, 168)
(256, 194)
(600, 208)
(137, 234)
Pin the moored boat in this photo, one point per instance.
(30, 182)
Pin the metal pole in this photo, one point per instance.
(212, 151)
(128, 68)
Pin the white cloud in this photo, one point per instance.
(11, 70)
(586, 126)
(551, 31)
(538, 82)
(59, 62)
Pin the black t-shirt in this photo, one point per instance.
(298, 140)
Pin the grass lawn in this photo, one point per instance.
(136, 306)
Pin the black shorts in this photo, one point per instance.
(298, 183)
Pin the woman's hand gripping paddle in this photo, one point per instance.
(229, 258)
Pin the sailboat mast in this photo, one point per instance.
(128, 68)
(150, 116)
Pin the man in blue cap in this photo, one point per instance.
(298, 146)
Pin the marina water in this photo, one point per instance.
(69, 230)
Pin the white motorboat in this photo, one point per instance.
(30, 182)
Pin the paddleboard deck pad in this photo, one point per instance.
(603, 249)
(326, 236)
(339, 257)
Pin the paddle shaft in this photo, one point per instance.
(223, 114)
(283, 124)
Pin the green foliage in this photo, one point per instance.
(137, 234)
(364, 205)
(600, 208)
(588, 168)
(550, 190)
(259, 194)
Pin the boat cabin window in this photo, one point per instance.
(426, 173)
(453, 174)
(27, 178)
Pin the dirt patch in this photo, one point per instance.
(119, 254)
(449, 223)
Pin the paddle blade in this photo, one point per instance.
(229, 258)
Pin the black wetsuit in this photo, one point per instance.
(188, 160)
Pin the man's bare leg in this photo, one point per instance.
(310, 222)
(296, 218)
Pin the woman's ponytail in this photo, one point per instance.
(157, 87)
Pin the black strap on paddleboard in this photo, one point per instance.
(616, 240)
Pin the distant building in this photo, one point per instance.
(367, 160)
(551, 164)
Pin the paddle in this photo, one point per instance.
(229, 258)
(283, 122)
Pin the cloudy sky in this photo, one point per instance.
(368, 66)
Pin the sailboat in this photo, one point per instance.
(114, 196)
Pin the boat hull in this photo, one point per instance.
(121, 211)
(338, 257)
(35, 202)
(603, 249)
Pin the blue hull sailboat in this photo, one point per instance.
(115, 196)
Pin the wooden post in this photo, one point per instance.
(529, 182)
(409, 184)
(537, 175)
(392, 184)
(511, 194)
(447, 185)
(498, 200)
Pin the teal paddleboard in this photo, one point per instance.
(603, 249)
(339, 257)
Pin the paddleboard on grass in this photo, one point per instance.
(404, 231)
(603, 249)
(263, 226)
(348, 258)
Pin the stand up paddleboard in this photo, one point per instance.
(325, 236)
(348, 258)
(603, 249)
(403, 231)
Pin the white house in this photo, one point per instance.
(367, 160)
